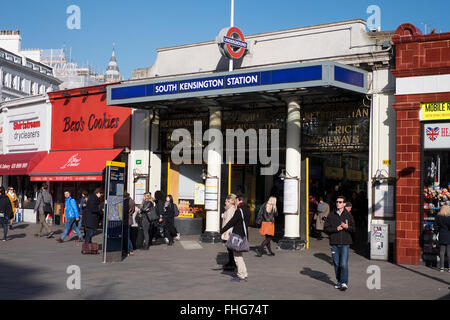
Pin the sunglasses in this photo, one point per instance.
(339, 201)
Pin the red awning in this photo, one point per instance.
(82, 165)
(20, 163)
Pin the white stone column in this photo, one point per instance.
(155, 159)
(214, 169)
(293, 169)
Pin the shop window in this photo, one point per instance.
(436, 178)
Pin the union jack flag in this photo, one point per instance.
(432, 133)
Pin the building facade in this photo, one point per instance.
(422, 106)
(20, 75)
(326, 90)
(26, 137)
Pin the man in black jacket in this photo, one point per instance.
(339, 225)
(6, 212)
(92, 213)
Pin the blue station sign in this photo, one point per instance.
(302, 75)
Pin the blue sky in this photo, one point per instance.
(139, 27)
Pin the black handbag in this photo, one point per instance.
(237, 243)
(151, 215)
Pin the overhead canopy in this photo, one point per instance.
(19, 163)
(299, 79)
(81, 165)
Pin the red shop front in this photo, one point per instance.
(422, 75)
(85, 134)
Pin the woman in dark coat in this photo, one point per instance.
(442, 226)
(169, 219)
(91, 214)
(149, 222)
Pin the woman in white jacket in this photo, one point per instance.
(230, 208)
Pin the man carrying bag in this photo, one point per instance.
(44, 206)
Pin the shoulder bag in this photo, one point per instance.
(237, 243)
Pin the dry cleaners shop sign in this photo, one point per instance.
(25, 133)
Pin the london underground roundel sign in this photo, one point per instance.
(232, 43)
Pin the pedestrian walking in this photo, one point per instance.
(44, 206)
(175, 234)
(92, 214)
(239, 223)
(131, 208)
(149, 219)
(135, 228)
(169, 219)
(339, 225)
(5, 212)
(159, 206)
(266, 218)
(14, 203)
(230, 208)
(72, 217)
(83, 203)
(323, 210)
(442, 227)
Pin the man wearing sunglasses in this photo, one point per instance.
(339, 225)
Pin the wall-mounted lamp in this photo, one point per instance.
(381, 177)
(285, 175)
(205, 175)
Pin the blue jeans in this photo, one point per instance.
(71, 222)
(89, 234)
(5, 223)
(339, 254)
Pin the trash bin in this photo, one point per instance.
(379, 242)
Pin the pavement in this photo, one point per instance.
(37, 268)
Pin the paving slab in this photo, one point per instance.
(191, 270)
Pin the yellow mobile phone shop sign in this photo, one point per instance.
(435, 111)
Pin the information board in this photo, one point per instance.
(384, 201)
(140, 187)
(211, 194)
(113, 217)
(291, 188)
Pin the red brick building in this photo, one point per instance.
(422, 72)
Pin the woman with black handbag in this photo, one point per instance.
(149, 219)
(238, 240)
